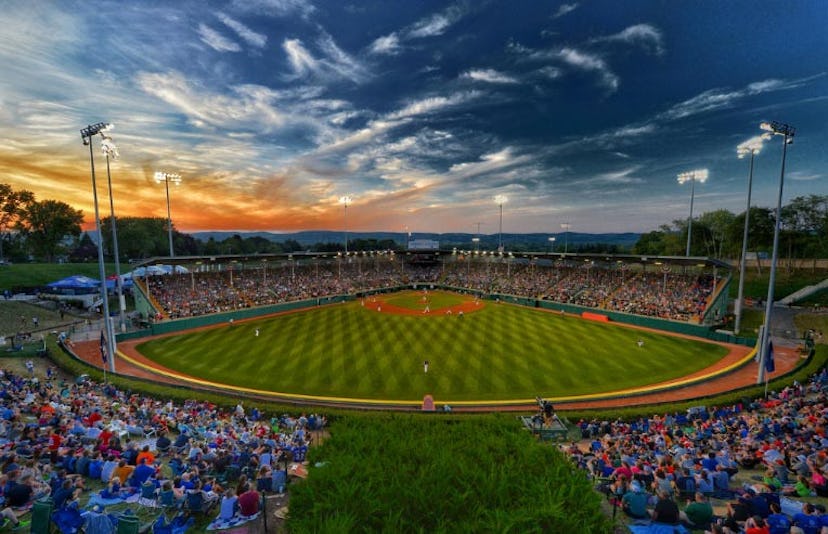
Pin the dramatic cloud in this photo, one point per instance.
(489, 75)
(216, 41)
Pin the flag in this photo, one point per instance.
(103, 347)
(769, 364)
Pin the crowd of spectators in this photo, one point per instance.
(56, 437)
(670, 295)
(765, 460)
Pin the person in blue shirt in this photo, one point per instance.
(778, 522)
(807, 519)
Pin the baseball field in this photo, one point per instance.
(376, 348)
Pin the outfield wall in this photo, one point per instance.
(178, 325)
(189, 323)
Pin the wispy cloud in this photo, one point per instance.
(494, 162)
(489, 76)
(433, 25)
(433, 104)
(800, 176)
(645, 35)
(714, 99)
(592, 63)
(275, 8)
(564, 9)
(388, 44)
(249, 36)
(332, 63)
(429, 26)
(619, 177)
(217, 41)
(250, 105)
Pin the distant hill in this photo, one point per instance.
(539, 241)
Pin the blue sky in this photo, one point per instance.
(422, 112)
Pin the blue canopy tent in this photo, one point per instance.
(75, 285)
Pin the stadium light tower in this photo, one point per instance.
(500, 200)
(111, 152)
(168, 177)
(787, 132)
(752, 146)
(86, 136)
(551, 244)
(345, 201)
(565, 227)
(699, 175)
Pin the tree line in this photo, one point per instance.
(50, 230)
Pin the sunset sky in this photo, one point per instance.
(421, 111)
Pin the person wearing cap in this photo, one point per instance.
(634, 501)
(698, 513)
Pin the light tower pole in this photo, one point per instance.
(345, 201)
(111, 151)
(565, 227)
(500, 200)
(167, 177)
(86, 136)
(752, 146)
(699, 175)
(787, 132)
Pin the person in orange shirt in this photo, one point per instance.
(147, 454)
(123, 471)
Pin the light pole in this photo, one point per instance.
(345, 201)
(551, 244)
(86, 135)
(500, 200)
(787, 132)
(699, 175)
(111, 151)
(565, 227)
(167, 177)
(752, 146)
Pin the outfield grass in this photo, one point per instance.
(403, 473)
(501, 352)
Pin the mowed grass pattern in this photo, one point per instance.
(498, 353)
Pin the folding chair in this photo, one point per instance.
(149, 495)
(68, 520)
(41, 517)
(128, 524)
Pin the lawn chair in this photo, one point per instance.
(196, 503)
(41, 517)
(149, 495)
(98, 523)
(128, 524)
(178, 525)
(68, 520)
(167, 500)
